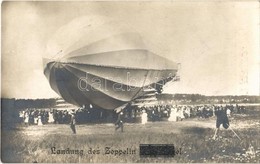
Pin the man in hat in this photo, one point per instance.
(221, 119)
(73, 122)
(119, 122)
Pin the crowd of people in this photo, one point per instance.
(180, 112)
(43, 116)
(151, 113)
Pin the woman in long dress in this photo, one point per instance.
(51, 118)
(144, 117)
(35, 120)
(26, 118)
(173, 115)
(181, 114)
(40, 120)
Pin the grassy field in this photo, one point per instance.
(193, 136)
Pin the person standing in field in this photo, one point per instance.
(144, 117)
(221, 119)
(119, 122)
(228, 112)
(73, 122)
(173, 115)
(51, 118)
(26, 118)
(40, 120)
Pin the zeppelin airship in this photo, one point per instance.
(104, 65)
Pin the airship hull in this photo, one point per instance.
(106, 85)
(103, 63)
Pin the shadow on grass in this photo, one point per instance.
(197, 130)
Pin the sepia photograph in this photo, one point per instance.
(130, 81)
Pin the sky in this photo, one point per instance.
(217, 43)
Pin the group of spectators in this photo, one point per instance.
(180, 112)
(149, 113)
(34, 116)
(43, 116)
